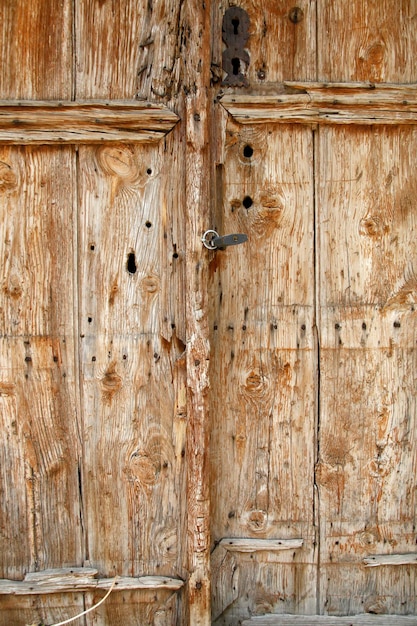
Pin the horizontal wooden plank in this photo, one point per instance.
(328, 620)
(326, 103)
(74, 579)
(257, 545)
(39, 122)
(391, 559)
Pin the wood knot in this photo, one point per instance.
(143, 468)
(13, 289)
(117, 160)
(257, 521)
(254, 382)
(166, 542)
(111, 383)
(372, 227)
(366, 539)
(150, 284)
(123, 161)
(8, 178)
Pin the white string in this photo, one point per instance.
(72, 619)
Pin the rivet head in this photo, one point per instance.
(296, 15)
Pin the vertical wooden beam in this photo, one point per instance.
(197, 55)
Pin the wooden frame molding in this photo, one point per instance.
(330, 620)
(391, 559)
(258, 545)
(326, 103)
(98, 121)
(75, 579)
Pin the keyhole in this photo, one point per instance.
(236, 66)
(235, 24)
(131, 263)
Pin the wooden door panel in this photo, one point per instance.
(366, 470)
(40, 514)
(133, 378)
(263, 370)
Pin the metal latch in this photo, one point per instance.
(212, 240)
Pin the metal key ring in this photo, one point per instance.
(208, 242)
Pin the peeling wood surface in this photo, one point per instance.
(83, 122)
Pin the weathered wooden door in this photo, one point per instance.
(179, 422)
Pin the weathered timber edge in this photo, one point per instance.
(326, 103)
(38, 122)
(329, 620)
(81, 579)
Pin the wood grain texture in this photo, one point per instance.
(262, 357)
(367, 465)
(36, 49)
(371, 41)
(24, 122)
(107, 48)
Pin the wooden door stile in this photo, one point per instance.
(197, 55)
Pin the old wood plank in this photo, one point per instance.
(366, 470)
(41, 449)
(40, 122)
(262, 304)
(328, 620)
(248, 544)
(373, 42)
(36, 49)
(326, 103)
